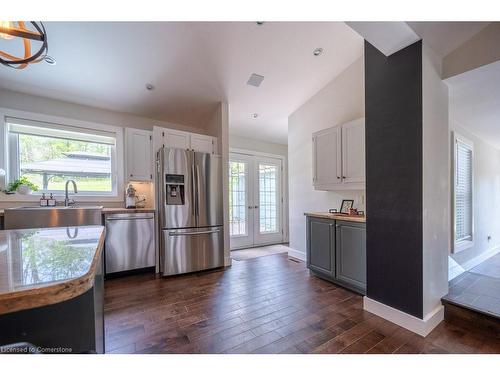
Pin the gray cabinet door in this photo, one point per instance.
(321, 246)
(351, 253)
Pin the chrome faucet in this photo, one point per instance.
(67, 201)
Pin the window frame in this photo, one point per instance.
(463, 244)
(117, 163)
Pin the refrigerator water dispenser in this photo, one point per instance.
(174, 189)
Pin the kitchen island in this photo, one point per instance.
(51, 288)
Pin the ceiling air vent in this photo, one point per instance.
(255, 80)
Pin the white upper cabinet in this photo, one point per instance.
(339, 157)
(139, 164)
(185, 140)
(353, 152)
(327, 146)
(203, 143)
(176, 139)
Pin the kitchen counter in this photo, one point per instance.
(327, 215)
(40, 267)
(114, 210)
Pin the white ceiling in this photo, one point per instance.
(192, 65)
(444, 37)
(475, 101)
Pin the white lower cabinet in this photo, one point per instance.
(339, 157)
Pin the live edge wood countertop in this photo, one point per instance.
(327, 215)
(40, 267)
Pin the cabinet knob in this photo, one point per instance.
(256, 206)
(344, 177)
(250, 207)
(338, 177)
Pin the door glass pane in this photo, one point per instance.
(237, 199)
(268, 197)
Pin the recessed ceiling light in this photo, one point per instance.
(260, 23)
(255, 115)
(318, 51)
(255, 80)
(149, 87)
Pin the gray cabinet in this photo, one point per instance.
(321, 246)
(351, 253)
(336, 250)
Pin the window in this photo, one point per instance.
(463, 193)
(49, 154)
(237, 198)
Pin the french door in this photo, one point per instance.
(255, 200)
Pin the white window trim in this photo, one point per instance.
(118, 166)
(465, 244)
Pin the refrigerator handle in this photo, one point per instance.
(193, 192)
(197, 192)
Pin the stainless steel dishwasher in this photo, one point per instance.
(130, 242)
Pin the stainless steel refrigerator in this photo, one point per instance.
(189, 196)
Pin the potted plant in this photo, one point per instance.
(22, 185)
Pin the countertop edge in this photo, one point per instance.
(114, 210)
(55, 292)
(332, 216)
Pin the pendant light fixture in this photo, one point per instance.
(14, 30)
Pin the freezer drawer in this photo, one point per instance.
(190, 250)
(129, 242)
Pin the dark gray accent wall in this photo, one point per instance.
(393, 109)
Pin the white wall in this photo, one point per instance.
(46, 106)
(342, 100)
(236, 141)
(436, 192)
(486, 198)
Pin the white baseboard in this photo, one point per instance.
(421, 327)
(480, 258)
(297, 254)
(227, 261)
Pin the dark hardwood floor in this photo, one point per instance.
(264, 305)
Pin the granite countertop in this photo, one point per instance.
(41, 267)
(327, 215)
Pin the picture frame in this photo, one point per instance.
(347, 204)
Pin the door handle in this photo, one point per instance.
(177, 234)
(130, 218)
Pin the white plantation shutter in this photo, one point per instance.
(463, 191)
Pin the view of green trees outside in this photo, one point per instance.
(34, 149)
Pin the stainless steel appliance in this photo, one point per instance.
(189, 188)
(130, 243)
(46, 217)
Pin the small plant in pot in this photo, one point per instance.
(22, 185)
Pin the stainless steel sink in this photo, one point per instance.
(46, 217)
